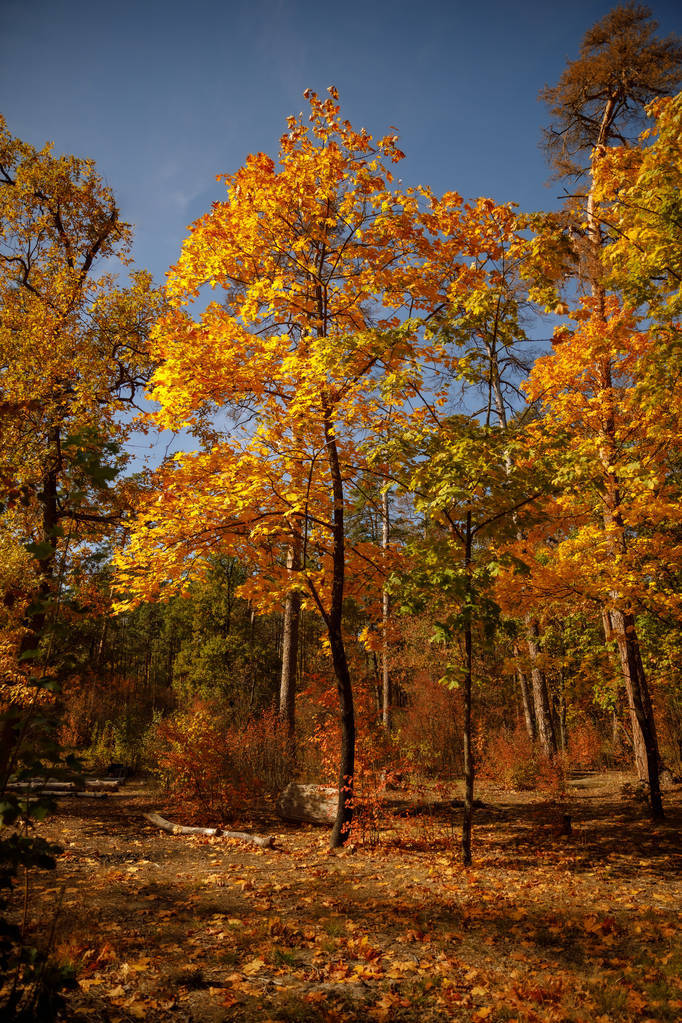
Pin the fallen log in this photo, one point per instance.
(53, 786)
(77, 794)
(264, 841)
(42, 785)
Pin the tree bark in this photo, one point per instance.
(647, 760)
(467, 745)
(344, 815)
(252, 661)
(543, 711)
(528, 714)
(385, 613)
(37, 614)
(621, 621)
(14, 720)
(287, 691)
(621, 92)
(561, 713)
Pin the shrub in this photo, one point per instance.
(513, 762)
(378, 757)
(429, 729)
(118, 741)
(216, 769)
(586, 747)
(189, 751)
(259, 752)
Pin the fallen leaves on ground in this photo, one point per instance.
(540, 930)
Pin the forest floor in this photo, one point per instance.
(542, 927)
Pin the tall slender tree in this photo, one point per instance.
(461, 479)
(599, 103)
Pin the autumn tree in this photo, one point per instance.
(326, 272)
(588, 387)
(471, 483)
(491, 354)
(640, 187)
(72, 354)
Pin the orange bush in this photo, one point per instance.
(509, 759)
(189, 750)
(378, 757)
(585, 747)
(430, 728)
(258, 752)
(216, 769)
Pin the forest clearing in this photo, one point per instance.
(341, 577)
(546, 927)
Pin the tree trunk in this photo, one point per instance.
(645, 741)
(38, 611)
(287, 691)
(620, 622)
(620, 625)
(15, 721)
(252, 663)
(561, 712)
(10, 730)
(385, 612)
(467, 745)
(543, 711)
(264, 841)
(538, 715)
(526, 700)
(344, 815)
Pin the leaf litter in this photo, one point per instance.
(542, 928)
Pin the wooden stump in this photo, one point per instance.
(308, 804)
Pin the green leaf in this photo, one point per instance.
(40, 550)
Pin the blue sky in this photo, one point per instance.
(165, 95)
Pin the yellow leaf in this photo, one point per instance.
(255, 966)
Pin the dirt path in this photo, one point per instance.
(542, 928)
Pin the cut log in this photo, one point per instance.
(264, 841)
(38, 785)
(308, 804)
(61, 794)
(54, 786)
